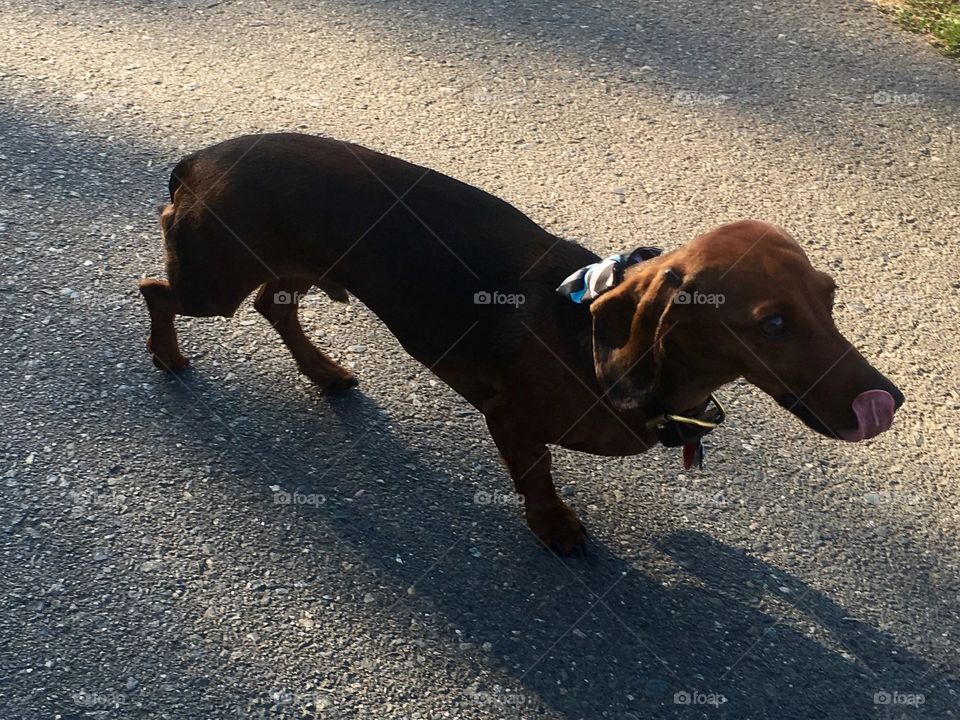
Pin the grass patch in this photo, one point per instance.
(938, 19)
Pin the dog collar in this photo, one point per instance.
(672, 429)
(590, 282)
(688, 430)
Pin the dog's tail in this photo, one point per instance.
(177, 175)
(181, 171)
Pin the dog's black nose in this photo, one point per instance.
(898, 397)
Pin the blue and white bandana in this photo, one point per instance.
(589, 282)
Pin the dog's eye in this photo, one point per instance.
(773, 325)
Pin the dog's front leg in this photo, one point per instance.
(552, 521)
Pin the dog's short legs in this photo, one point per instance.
(278, 301)
(162, 343)
(550, 519)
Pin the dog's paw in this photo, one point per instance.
(340, 384)
(167, 359)
(558, 528)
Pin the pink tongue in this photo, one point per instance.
(874, 410)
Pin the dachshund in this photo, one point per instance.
(551, 343)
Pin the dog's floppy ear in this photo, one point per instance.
(628, 327)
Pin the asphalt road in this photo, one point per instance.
(151, 567)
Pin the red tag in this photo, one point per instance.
(689, 455)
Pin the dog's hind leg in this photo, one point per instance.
(278, 301)
(162, 343)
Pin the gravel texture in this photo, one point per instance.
(231, 544)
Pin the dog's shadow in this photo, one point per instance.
(705, 630)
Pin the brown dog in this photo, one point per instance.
(468, 284)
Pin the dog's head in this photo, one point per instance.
(740, 301)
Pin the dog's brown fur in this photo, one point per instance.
(283, 213)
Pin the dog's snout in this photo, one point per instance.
(871, 412)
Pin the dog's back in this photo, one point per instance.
(430, 255)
